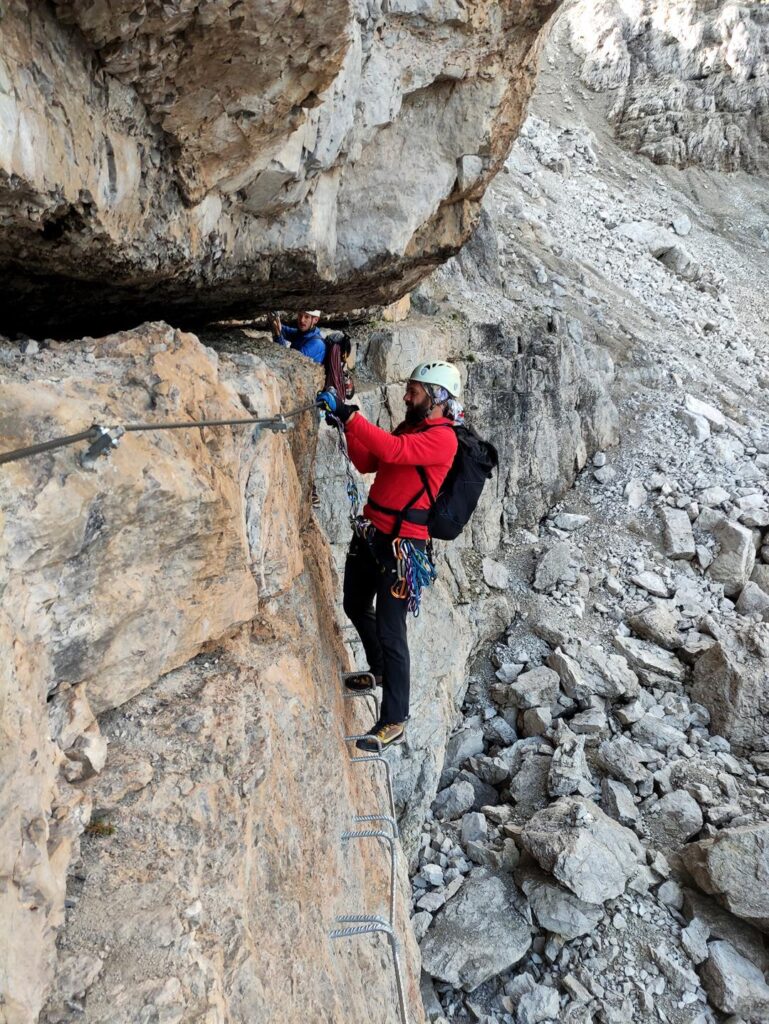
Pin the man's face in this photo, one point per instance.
(306, 322)
(417, 402)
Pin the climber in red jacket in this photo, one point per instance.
(387, 557)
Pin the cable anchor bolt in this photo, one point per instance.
(105, 440)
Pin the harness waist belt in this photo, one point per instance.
(417, 516)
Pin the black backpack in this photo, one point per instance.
(460, 492)
(450, 511)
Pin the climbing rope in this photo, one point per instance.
(103, 439)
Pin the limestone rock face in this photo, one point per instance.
(209, 159)
(688, 79)
(220, 781)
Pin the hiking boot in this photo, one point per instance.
(385, 736)
(361, 681)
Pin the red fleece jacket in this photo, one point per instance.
(393, 457)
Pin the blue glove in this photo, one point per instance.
(327, 401)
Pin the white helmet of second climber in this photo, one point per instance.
(443, 375)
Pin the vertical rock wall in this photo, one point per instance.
(213, 790)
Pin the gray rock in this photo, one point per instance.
(671, 895)
(556, 909)
(752, 600)
(541, 1003)
(617, 801)
(694, 939)
(570, 521)
(658, 623)
(696, 425)
(733, 866)
(583, 848)
(463, 744)
(484, 793)
(760, 576)
(454, 801)
(746, 939)
(657, 733)
(553, 567)
(536, 688)
(731, 679)
(645, 657)
(734, 984)
(736, 557)
(529, 770)
(592, 672)
(591, 722)
(498, 730)
(678, 538)
(674, 819)
(491, 770)
(651, 582)
(484, 930)
(569, 772)
(495, 574)
(605, 474)
(624, 759)
(682, 225)
(714, 416)
(509, 671)
(474, 827)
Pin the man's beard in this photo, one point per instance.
(416, 414)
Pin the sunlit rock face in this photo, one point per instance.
(214, 158)
(688, 79)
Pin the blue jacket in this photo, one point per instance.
(309, 343)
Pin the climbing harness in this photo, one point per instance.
(415, 572)
(105, 439)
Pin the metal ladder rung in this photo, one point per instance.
(366, 924)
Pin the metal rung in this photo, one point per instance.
(367, 924)
(361, 818)
(390, 840)
(370, 758)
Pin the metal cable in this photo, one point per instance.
(95, 431)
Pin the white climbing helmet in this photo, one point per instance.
(443, 375)
(311, 312)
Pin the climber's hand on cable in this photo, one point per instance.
(327, 401)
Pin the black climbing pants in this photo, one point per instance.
(369, 572)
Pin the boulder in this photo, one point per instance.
(586, 670)
(617, 801)
(733, 866)
(541, 1003)
(484, 930)
(569, 772)
(624, 759)
(720, 924)
(556, 908)
(463, 744)
(678, 539)
(674, 819)
(731, 679)
(658, 623)
(734, 984)
(657, 733)
(583, 848)
(553, 566)
(736, 557)
(714, 416)
(645, 657)
(454, 801)
(753, 600)
(536, 688)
